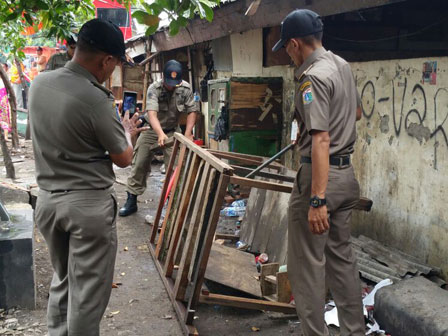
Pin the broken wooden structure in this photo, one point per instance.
(182, 245)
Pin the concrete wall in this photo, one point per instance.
(402, 149)
(402, 154)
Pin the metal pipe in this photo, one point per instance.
(256, 170)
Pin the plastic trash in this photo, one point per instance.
(239, 203)
(283, 269)
(240, 245)
(233, 211)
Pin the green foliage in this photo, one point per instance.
(179, 12)
(56, 19)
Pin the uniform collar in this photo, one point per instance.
(309, 61)
(75, 67)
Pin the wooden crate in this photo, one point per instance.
(182, 244)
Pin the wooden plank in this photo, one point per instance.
(233, 268)
(189, 185)
(205, 248)
(268, 288)
(168, 175)
(212, 160)
(227, 237)
(178, 306)
(238, 155)
(271, 279)
(177, 197)
(239, 302)
(260, 184)
(170, 203)
(181, 283)
(283, 288)
(244, 171)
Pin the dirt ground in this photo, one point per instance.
(140, 305)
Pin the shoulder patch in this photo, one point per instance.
(102, 88)
(307, 96)
(304, 85)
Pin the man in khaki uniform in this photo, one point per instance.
(325, 190)
(58, 60)
(166, 100)
(76, 137)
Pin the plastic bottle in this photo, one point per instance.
(239, 203)
(233, 211)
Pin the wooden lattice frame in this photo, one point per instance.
(184, 240)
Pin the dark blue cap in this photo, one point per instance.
(105, 36)
(172, 73)
(299, 23)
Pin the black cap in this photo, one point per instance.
(104, 36)
(39, 49)
(299, 23)
(172, 73)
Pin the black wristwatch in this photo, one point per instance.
(316, 202)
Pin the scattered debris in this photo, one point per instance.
(126, 249)
(149, 219)
(255, 329)
(143, 248)
(167, 317)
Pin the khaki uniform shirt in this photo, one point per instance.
(57, 61)
(74, 125)
(326, 100)
(170, 104)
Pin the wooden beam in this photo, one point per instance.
(184, 205)
(206, 246)
(230, 19)
(239, 302)
(197, 218)
(227, 236)
(179, 307)
(273, 176)
(168, 174)
(170, 203)
(261, 184)
(212, 160)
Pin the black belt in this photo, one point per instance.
(168, 130)
(334, 160)
(69, 190)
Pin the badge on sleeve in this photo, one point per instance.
(307, 96)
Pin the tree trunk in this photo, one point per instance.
(10, 171)
(25, 99)
(13, 104)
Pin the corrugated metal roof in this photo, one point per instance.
(377, 262)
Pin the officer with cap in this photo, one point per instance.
(41, 59)
(76, 137)
(166, 100)
(325, 191)
(58, 60)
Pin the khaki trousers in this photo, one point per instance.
(317, 260)
(141, 161)
(79, 229)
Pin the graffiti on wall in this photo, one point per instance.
(422, 113)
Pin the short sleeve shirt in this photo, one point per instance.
(326, 100)
(169, 105)
(57, 61)
(74, 126)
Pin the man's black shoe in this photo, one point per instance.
(130, 206)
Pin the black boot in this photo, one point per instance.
(130, 206)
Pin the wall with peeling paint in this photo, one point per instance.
(401, 156)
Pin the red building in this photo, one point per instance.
(112, 11)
